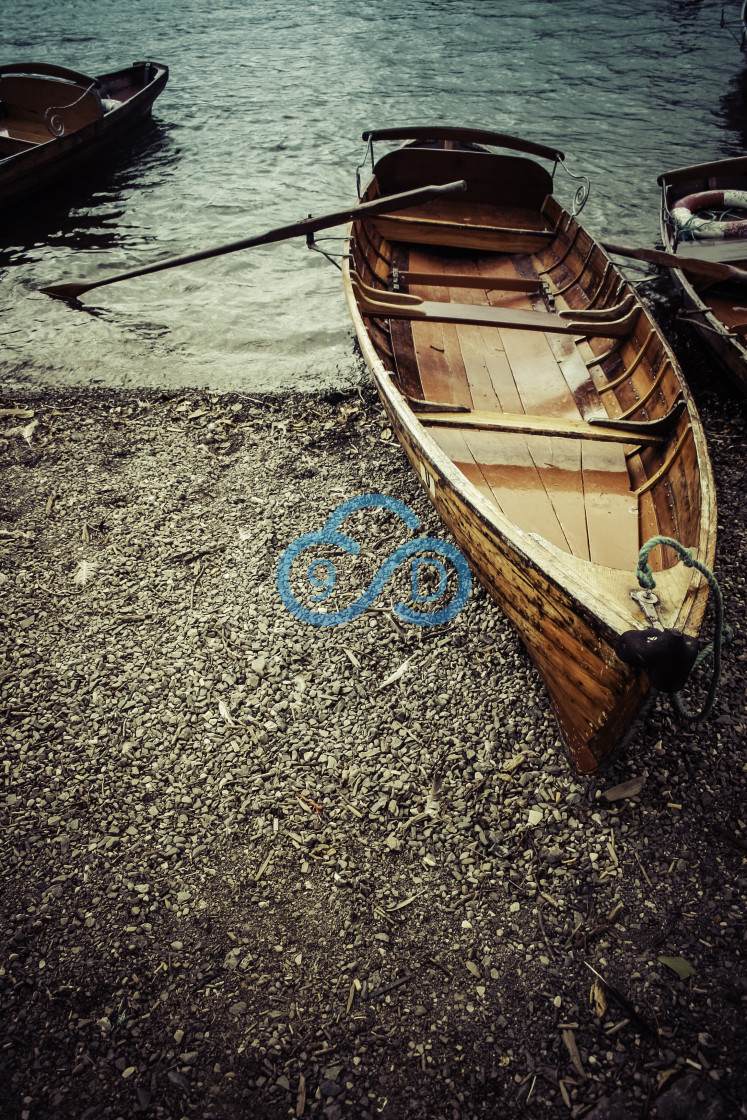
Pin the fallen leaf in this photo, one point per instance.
(625, 789)
(395, 676)
(598, 1000)
(223, 709)
(511, 764)
(83, 572)
(678, 965)
(569, 1039)
(664, 1077)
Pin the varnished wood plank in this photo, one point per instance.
(510, 471)
(488, 283)
(468, 338)
(558, 462)
(455, 446)
(442, 370)
(611, 507)
(461, 235)
(541, 385)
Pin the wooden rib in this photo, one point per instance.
(666, 365)
(541, 425)
(405, 358)
(599, 314)
(572, 283)
(374, 249)
(571, 243)
(666, 465)
(600, 287)
(608, 353)
(631, 368)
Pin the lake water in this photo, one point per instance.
(260, 125)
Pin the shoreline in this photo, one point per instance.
(245, 875)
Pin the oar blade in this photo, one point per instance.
(71, 291)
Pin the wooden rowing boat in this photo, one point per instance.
(53, 120)
(540, 407)
(717, 311)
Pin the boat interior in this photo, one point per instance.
(527, 357)
(41, 102)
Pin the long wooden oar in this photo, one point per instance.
(712, 269)
(76, 288)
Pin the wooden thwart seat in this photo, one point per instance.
(463, 235)
(397, 305)
(625, 432)
(469, 280)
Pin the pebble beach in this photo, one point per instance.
(255, 868)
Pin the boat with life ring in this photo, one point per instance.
(718, 312)
(691, 214)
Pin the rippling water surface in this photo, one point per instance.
(260, 125)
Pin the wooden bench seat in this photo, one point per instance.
(623, 432)
(453, 233)
(396, 305)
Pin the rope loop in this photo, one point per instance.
(723, 633)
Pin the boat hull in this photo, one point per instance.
(68, 156)
(568, 611)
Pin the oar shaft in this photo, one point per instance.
(283, 233)
(713, 269)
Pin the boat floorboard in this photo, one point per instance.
(575, 494)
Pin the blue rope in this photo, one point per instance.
(723, 633)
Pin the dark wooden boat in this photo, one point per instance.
(541, 408)
(707, 228)
(54, 120)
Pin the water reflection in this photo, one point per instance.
(90, 212)
(260, 125)
(734, 112)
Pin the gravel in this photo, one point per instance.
(244, 876)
